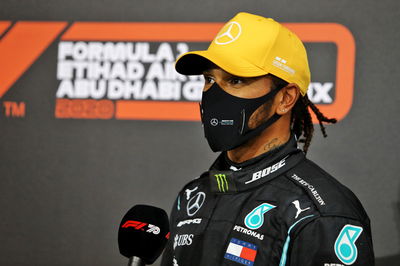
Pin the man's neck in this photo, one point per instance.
(268, 140)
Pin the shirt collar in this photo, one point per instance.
(253, 172)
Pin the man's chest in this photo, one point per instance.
(227, 229)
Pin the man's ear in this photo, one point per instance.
(287, 98)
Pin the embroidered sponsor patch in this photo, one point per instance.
(189, 221)
(267, 171)
(195, 203)
(311, 188)
(183, 240)
(222, 182)
(255, 219)
(345, 244)
(241, 251)
(248, 232)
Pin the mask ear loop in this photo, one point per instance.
(243, 113)
(201, 114)
(271, 120)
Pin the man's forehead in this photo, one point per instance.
(214, 69)
(209, 66)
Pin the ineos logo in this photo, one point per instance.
(195, 203)
(214, 122)
(229, 33)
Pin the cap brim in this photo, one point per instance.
(194, 63)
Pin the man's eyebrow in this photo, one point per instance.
(207, 71)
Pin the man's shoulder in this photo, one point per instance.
(330, 197)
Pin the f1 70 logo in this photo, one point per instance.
(345, 244)
(255, 219)
(141, 226)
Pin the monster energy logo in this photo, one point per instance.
(222, 182)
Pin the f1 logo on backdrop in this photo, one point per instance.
(107, 70)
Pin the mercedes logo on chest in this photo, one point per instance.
(195, 203)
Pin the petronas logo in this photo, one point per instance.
(345, 244)
(222, 182)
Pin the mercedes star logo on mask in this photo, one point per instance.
(214, 122)
(195, 203)
(229, 33)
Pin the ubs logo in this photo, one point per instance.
(195, 203)
(183, 240)
(229, 33)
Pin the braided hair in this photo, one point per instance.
(301, 120)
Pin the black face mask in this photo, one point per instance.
(225, 118)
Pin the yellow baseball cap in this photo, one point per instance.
(248, 46)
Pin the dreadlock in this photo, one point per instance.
(301, 120)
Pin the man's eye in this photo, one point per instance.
(209, 79)
(236, 81)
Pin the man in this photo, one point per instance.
(262, 202)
